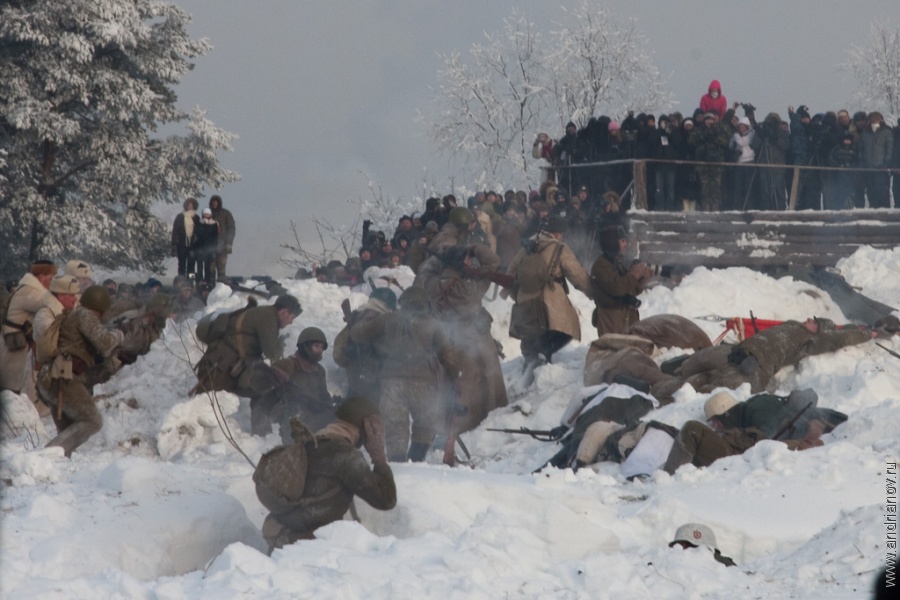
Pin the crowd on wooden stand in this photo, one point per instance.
(732, 145)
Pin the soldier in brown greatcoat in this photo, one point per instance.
(563, 323)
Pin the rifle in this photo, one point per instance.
(541, 435)
(888, 350)
(455, 256)
(790, 423)
(345, 308)
(501, 279)
(241, 288)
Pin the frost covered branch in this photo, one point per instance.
(877, 69)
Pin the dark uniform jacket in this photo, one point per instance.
(306, 393)
(614, 292)
(336, 473)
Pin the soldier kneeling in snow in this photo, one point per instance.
(311, 482)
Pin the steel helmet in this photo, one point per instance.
(159, 304)
(461, 216)
(355, 410)
(695, 534)
(312, 334)
(385, 295)
(718, 404)
(96, 297)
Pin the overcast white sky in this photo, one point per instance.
(321, 93)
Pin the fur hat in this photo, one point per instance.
(64, 284)
(42, 267)
(79, 269)
(609, 239)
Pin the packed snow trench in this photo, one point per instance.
(160, 505)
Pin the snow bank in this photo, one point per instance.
(159, 504)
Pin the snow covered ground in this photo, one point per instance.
(160, 505)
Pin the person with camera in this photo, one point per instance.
(664, 143)
(876, 147)
(771, 145)
(615, 285)
(741, 151)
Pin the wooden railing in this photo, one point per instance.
(818, 238)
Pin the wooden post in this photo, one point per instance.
(795, 186)
(640, 184)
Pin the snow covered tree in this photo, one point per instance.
(489, 108)
(877, 69)
(598, 66)
(85, 86)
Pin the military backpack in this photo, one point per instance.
(46, 347)
(280, 476)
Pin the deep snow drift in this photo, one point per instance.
(160, 505)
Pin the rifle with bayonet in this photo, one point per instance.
(542, 435)
(790, 424)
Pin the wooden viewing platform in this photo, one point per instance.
(760, 238)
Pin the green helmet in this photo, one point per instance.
(461, 216)
(312, 334)
(355, 409)
(386, 295)
(96, 298)
(159, 304)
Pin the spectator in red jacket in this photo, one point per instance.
(713, 101)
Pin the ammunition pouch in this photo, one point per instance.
(15, 340)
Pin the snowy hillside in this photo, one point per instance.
(160, 505)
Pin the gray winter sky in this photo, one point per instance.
(324, 95)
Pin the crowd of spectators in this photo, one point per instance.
(502, 222)
(717, 134)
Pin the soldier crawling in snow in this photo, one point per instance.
(757, 359)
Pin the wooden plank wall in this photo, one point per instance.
(760, 238)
